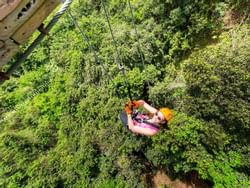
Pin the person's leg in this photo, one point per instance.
(124, 119)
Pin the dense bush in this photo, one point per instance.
(59, 122)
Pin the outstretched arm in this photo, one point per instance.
(148, 107)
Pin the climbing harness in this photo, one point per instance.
(140, 120)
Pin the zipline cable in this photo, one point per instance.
(138, 44)
(136, 34)
(84, 36)
(90, 46)
(119, 62)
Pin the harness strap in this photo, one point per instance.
(147, 122)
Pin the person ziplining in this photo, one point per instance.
(139, 123)
(147, 124)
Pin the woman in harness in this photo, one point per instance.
(144, 124)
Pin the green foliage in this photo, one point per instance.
(218, 77)
(136, 81)
(170, 91)
(59, 122)
(221, 170)
(218, 82)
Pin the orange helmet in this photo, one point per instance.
(167, 113)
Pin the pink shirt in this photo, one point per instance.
(144, 124)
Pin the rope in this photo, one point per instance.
(90, 46)
(119, 62)
(84, 36)
(28, 51)
(136, 34)
(120, 65)
(146, 83)
(137, 38)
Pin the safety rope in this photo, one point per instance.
(28, 51)
(146, 83)
(91, 48)
(84, 37)
(138, 44)
(119, 62)
(136, 34)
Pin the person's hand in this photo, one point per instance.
(141, 102)
(134, 104)
(128, 109)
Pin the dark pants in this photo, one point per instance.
(124, 119)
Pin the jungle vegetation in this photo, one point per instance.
(59, 124)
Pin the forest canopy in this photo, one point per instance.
(59, 124)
